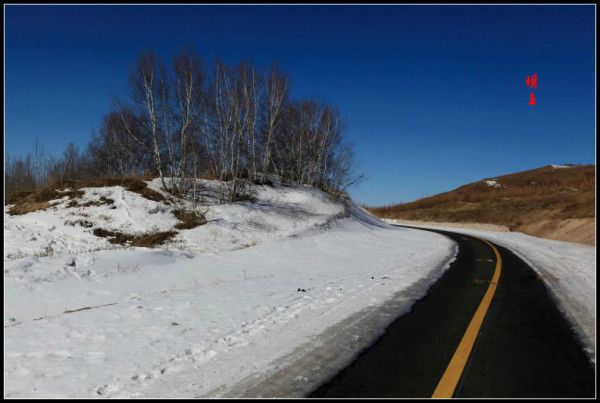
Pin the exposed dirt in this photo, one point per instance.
(581, 230)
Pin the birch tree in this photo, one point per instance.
(236, 125)
(148, 89)
(276, 93)
(190, 108)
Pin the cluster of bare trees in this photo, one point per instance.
(36, 169)
(232, 123)
(235, 124)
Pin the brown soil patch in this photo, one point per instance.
(581, 230)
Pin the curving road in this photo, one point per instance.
(487, 328)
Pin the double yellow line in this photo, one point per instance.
(449, 381)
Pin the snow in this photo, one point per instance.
(220, 303)
(568, 269)
(48, 232)
(561, 166)
(492, 183)
(277, 213)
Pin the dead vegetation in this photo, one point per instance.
(520, 201)
(86, 308)
(83, 223)
(26, 202)
(141, 187)
(189, 219)
(148, 240)
(92, 203)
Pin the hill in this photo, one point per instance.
(555, 201)
(115, 288)
(90, 215)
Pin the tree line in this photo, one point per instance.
(183, 122)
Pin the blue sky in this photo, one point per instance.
(433, 96)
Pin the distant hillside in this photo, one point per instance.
(556, 201)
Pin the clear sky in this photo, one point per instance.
(433, 96)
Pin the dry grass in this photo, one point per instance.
(103, 201)
(189, 219)
(85, 308)
(26, 202)
(83, 223)
(132, 184)
(141, 187)
(524, 198)
(153, 239)
(146, 240)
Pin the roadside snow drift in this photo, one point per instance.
(212, 306)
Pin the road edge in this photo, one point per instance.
(584, 339)
(314, 362)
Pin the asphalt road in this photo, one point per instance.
(524, 346)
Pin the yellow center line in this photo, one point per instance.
(447, 385)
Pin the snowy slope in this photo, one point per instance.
(221, 302)
(568, 269)
(277, 213)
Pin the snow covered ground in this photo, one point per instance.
(217, 304)
(568, 269)
(277, 213)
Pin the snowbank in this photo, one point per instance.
(568, 269)
(220, 303)
(277, 213)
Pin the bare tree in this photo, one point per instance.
(236, 125)
(148, 84)
(118, 149)
(249, 101)
(39, 168)
(276, 92)
(343, 172)
(19, 175)
(71, 163)
(228, 128)
(190, 108)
